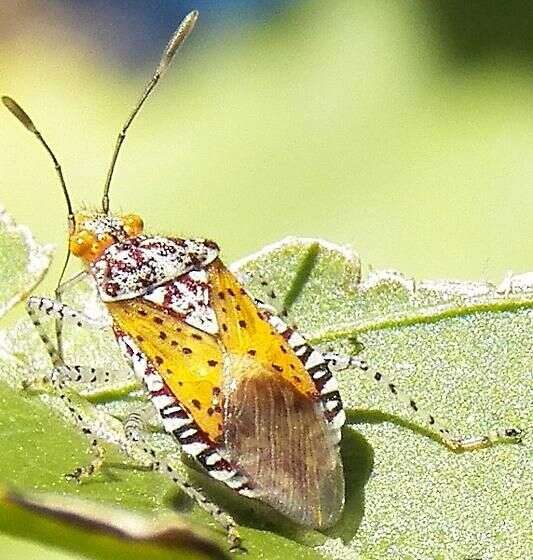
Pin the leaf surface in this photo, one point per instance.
(23, 262)
(462, 349)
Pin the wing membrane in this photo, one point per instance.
(279, 438)
(249, 392)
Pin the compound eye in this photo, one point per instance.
(133, 224)
(81, 243)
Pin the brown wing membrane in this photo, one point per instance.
(280, 439)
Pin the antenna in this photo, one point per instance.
(178, 38)
(23, 117)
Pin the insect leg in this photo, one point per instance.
(62, 373)
(68, 284)
(80, 378)
(454, 443)
(134, 427)
(77, 378)
(86, 375)
(42, 306)
(269, 300)
(38, 307)
(82, 375)
(57, 310)
(58, 294)
(271, 296)
(80, 473)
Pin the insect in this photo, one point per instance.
(239, 389)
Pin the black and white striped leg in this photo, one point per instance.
(271, 296)
(63, 374)
(84, 423)
(134, 426)
(83, 380)
(85, 376)
(455, 443)
(39, 308)
(79, 378)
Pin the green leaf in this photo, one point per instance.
(462, 349)
(101, 532)
(23, 262)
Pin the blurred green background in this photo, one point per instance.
(404, 128)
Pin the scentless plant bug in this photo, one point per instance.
(240, 390)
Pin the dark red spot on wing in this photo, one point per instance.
(196, 403)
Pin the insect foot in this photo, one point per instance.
(235, 541)
(36, 384)
(81, 473)
(507, 435)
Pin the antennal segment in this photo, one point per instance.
(23, 117)
(178, 38)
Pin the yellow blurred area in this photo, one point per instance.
(340, 120)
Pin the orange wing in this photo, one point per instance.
(192, 362)
(244, 332)
(189, 360)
